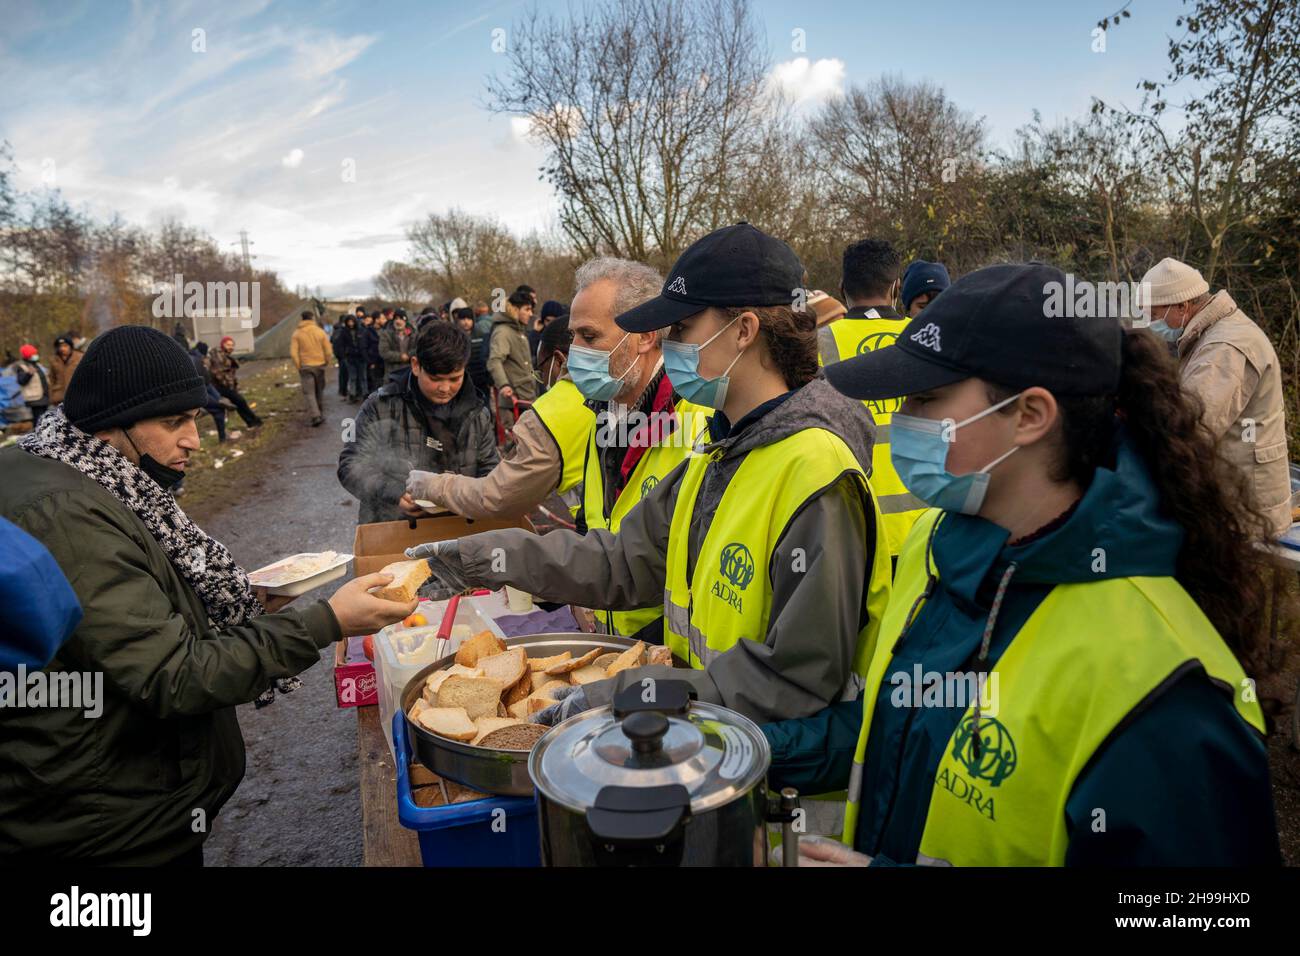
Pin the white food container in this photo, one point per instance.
(287, 586)
(402, 652)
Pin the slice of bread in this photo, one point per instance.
(521, 736)
(486, 725)
(421, 776)
(660, 654)
(407, 578)
(541, 663)
(539, 679)
(549, 688)
(482, 644)
(450, 722)
(434, 680)
(588, 674)
(478, 695)
(564, 667)
(519, 709)
(634, 656)
(538, 703)
(604, 660)
(505, 668)
(519, 689)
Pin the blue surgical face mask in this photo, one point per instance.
(589, 369)
(918, 448)
(682, 363)
(1162, 329)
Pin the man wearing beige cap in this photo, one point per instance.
(1228, 362)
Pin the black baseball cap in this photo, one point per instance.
(1008, 324)
(733, 266)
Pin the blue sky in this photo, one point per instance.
(110, 102)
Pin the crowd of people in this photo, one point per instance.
(837, 510)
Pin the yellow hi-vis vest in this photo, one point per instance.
(850, 337)
(653, 467)
(1088, 655)
(565, 415)
(729, 595)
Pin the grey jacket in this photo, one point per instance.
(396, 433)
(392, 346)
(818, 601)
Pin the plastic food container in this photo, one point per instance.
(402, 652)
(286, 584)
(494, 831)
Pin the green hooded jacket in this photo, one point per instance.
(140, 782)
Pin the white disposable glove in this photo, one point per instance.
(444, 563)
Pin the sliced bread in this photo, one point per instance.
(564, 667)
(521, 736)
(486, 725)
(478, 695)
(451, 722)
(505, 668)
(541, 663)
(634, 656)
(482, 644)
(434, 680)
(588, 674)
(660, 654)
(407, 578)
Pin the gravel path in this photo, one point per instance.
(299, 804)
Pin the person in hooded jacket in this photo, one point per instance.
(1061, 677)
(428, 418)
(765, 548)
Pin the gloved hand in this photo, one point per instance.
(419, 485)
(444, 563)
(571, 700)
(823, 851)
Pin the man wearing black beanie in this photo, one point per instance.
(172, 635)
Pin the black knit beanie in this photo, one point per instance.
(128, 374)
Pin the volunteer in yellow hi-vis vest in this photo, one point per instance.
(1058, 678)
(869, 282)
(549, 445)
(662, 438)
(764, 547)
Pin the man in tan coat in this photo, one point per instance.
(311, 352)
(62, 366)
(1228, 362)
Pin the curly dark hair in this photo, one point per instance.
(790, 337)
(1221, 564)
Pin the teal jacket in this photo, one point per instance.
(1184, 781)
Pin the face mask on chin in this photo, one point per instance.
(166, 478)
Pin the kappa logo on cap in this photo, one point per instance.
(927, 335)
(678, 285)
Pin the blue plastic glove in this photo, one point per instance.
(570, 701)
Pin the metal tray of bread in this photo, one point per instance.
(480, 768)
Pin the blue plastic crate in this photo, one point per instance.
(462, 834)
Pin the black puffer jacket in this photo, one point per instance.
(397, 431)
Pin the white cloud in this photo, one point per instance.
(807, 82)
(293, 159)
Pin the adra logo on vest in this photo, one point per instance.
(648, 485)
(876, 340)
(989, 755)
(737, 566)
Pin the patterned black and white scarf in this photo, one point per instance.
(205, 563)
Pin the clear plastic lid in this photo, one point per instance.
(715, 753)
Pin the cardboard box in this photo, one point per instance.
(355, 683)
(380, 544)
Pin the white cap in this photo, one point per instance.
(1171, 282)
(457, 303)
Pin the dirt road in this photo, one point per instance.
(298, 804)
